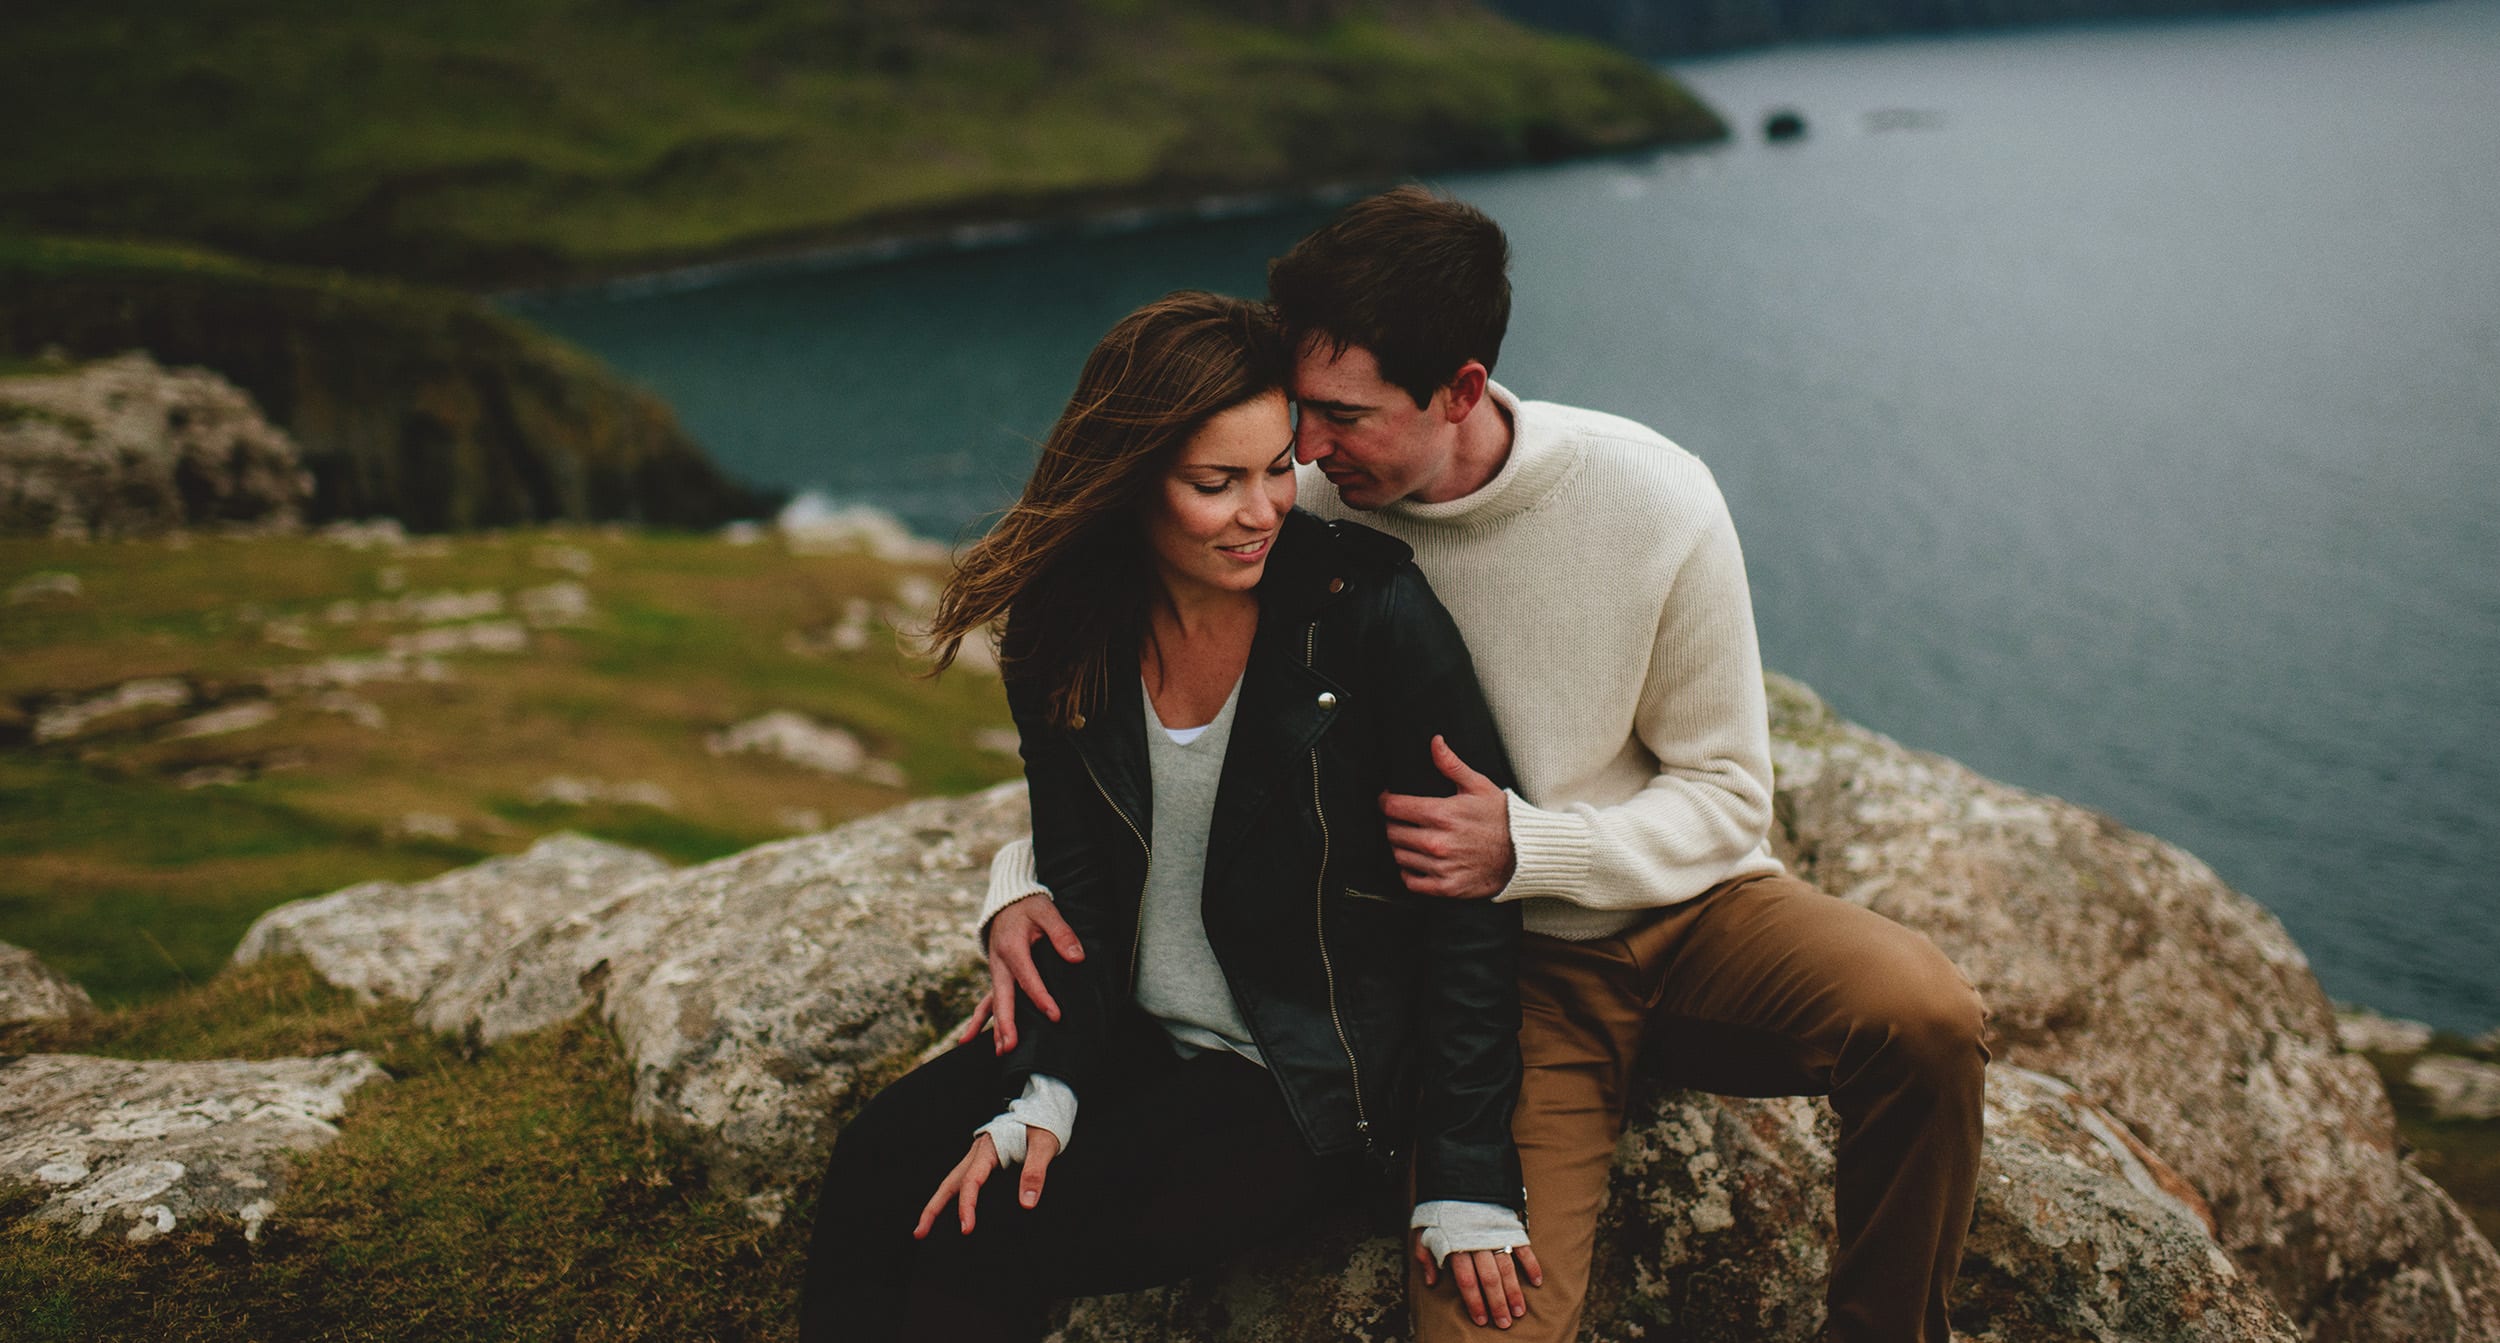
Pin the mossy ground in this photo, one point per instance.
(136, 885)
(509, 1195)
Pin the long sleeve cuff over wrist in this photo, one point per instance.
(1551, 849)
(1450, 1226)
(1047, 1103)
(1011, 879)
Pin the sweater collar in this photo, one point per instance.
(1537, 462)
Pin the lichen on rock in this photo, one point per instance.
(139, 1148)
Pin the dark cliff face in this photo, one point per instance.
(425, 406)
(1685, 27)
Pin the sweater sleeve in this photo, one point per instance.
(1702, 718)
(1011, 879)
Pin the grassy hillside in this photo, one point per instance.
(422, 404)
(133, 856)
(495, 141)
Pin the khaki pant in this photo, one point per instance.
(1764, 986)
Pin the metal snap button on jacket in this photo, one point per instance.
(1328, 699)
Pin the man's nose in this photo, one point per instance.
(1310, 443)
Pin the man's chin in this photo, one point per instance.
(1358, 494)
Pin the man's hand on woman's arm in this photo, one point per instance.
(1456, 846)
(1012, 934)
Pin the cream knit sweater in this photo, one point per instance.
(1599, 585)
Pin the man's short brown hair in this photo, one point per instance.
(1417, 278)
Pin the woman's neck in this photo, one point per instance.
(1194, 651)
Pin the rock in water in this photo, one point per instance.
(390, 940)
(141, 1148)
(123, 447)
(2125, 966)
(33, 991)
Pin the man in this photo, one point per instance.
(1593, 569)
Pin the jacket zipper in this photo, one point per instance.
(1319, 919)
(1137, 928)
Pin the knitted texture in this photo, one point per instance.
(1599, 585)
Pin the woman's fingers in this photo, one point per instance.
(1002, 1006)
(1415, 1247)
(983, 1160)
(961, 1186)
(1488, 1275)
(1511, 1295)
(1529, 1267)
(980, 1013)
(944, 1195)
(1470, 1291)
(1040, 1145)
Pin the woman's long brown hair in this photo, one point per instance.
(1068, 567)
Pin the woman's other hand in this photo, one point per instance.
(962, 1185)
(1012, 933)
(1488, 1280)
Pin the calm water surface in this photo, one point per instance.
(2114, 409)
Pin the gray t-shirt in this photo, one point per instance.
(1179, 982)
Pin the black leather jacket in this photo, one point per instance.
(1385, 1017)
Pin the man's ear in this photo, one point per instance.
(1465, 389)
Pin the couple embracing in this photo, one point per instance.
(1343, 879)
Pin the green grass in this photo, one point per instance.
(137, 886)
(536, 138)
(509, 1195)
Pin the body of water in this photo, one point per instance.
(2116, 409)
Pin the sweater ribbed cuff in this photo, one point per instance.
(1011, 879)
(1551, 849)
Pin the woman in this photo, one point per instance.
(1212, 691)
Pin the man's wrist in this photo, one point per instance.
(1549, 850)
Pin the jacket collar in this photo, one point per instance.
(1285, 702)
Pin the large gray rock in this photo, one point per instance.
(1719, 1228)
(2123, 965)
(754, 995)
(123, 447)
(33, 991)
(757, 995)
(138, 1148)
(386, 939)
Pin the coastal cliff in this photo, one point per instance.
(548, 140)
(418, 404)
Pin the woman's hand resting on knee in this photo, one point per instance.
(1488, 1280)
(963, 1183)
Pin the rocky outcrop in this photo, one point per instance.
(33, 991)
(756, 995)
(385, 939)
(426, 406)
(139, 1148)
(1719, 1230)
(2125, 966)
(2177, 1146)
(126, 448)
